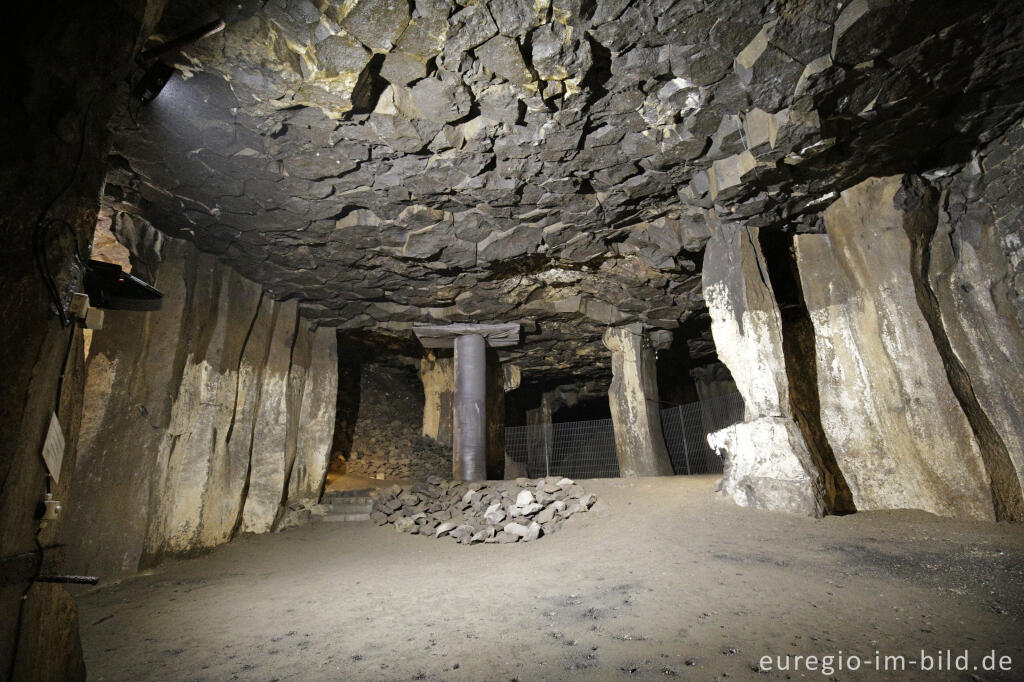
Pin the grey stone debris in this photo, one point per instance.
(524, 498)
(482, 511)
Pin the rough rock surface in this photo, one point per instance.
(894, 423)
(387, 441)
(767, 466)
(186, 424)
(520, 510)
(550, 162)
(975, 270)
(633, 398)
(767, 462)
(438, 376)
(70, 73)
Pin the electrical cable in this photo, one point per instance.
(38, 245)
(42, 228)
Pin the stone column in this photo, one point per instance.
(471, 416)
(899, 432)
(768, 464)
(470, 451)
(633, 397)
(438, 377)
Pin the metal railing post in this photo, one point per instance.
(548, 444)
(686, 446)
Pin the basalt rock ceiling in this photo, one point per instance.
(555, 162)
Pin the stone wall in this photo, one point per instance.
(201, 420)
(913, 292)
(387, 441)
(66, 75)
(887, 408)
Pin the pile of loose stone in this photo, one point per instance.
(482, 511)
(414, 458)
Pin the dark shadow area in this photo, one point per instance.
(349, 378)
(584, 410)
(798, 346)
(674, 365)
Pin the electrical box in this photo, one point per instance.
(79, 305)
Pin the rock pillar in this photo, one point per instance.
(767, 463)
(438, 376)
(899, 433)
(540, 437)
(633, 397)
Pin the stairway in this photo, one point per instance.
(347, 505)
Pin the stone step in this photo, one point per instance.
(344, 517)
(347, 501)
(362, 499)
(349, 508)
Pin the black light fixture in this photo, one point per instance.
(159, 72)
(153, 81)
(110, 287)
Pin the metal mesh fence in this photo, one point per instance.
(686, 428)
(574, 449)
(586, 449)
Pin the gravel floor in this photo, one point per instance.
(661, 579)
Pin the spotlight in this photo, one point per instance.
(110, 287)
(159, 72)
(153, 81)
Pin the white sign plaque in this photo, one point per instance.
(53, 448)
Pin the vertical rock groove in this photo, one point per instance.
(920, 204)
(798, 347)
(252, 427)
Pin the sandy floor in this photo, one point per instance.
(661, 579)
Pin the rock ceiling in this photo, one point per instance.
(555, 162)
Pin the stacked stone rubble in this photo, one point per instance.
(386, 437)
(501, 512)
(401, 457)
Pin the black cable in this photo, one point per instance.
(63, 371)
(42, 262)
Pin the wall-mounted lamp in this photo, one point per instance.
(159, 71)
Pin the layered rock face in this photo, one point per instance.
(767, 461)
(897, 430)
(201, 420)
(917, 353)
(633, 398)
